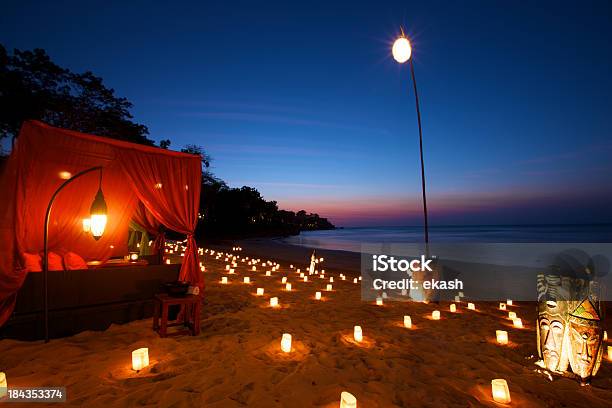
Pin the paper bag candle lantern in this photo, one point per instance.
(471, 306)
(3, 385)
(140, 358)
(502, 306)
(224, 280)
(288, 287)
(502, 336)
(347, 400)
(274, 302)
(435, 315)
(247, 279)
(511, 315)
(286, 343)
(453, 308)
(329, 287)
(500, 391)
(318, 295)
(358, 334)
(407, 322)
(260, 291)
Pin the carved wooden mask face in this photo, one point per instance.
(585, 339)
(552, 326)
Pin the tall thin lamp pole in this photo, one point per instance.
(45, 260)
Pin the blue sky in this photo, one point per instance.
(304, 102)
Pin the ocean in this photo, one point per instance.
(351, 239)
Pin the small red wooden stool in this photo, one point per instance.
(190, 318)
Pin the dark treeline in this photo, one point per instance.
(32, 86)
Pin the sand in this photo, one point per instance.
(237, 361)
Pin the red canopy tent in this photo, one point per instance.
(165, 183)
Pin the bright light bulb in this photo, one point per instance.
(401, 50)
(97, 224)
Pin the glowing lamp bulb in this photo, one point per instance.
(288, 287)
(347, 400)
(318, 295)
(274, 302)
(329, 287)
(140, 358)
(518, 323)
(500, 391)
(453, 308)
(502, 336)
(435, 315)
(511, 315)
(224, 280)
(502, 306)
(260, 291)
(401, 50)
(407, 322)
(286, 342)
(471, 306)
(357, 334)
(246, 279)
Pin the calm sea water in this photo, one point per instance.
(351, 239)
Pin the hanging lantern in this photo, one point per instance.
(435, 315)
(98, 212)
(357, 334)
(500, 391)
(453, 308)
(140, 358)
(502, 336)
(347, 400)
(260, 291)
(286, 343)
(471, 306)
(407, 322)
(318, 295)
(274, 302)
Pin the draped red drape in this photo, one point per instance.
(37, 166)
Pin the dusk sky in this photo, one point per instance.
(303, 100)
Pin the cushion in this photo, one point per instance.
(55, 262)
(32, 262)
(74, 261)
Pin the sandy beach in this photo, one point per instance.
(237, 361)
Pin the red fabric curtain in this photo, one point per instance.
(38, 165)
(145, 219)
(169, 188)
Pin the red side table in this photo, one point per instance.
(189, 318)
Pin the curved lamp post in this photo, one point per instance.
(97, 224)
(402, 51)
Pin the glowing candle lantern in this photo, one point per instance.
(284, 280)
(453, 308)
(379, 301)
(331, 279)
(407, 322)
(288, 287)
(509, 302)
(86, 225)
(471, 306)
(274, 302)
(286, 342)
(167, 262)
(318, 295)
(605, 335)
(502, 336)
(329, 287)
(140, 358)
(502, 306)
(254, 268)
(227, 267)
(610, 353)
(500, 391)
(347, 400)
(435, 315)
(305, 278)
(355, 280)
(246, 279)
(268, 273)
(231, 271)
(518, 323)
(511, 315)
(357, 334)
(3, 385)
(457, 299)
(224, 280)
(133, 256)
(260, 291)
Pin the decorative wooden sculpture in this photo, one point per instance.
(585, 339)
